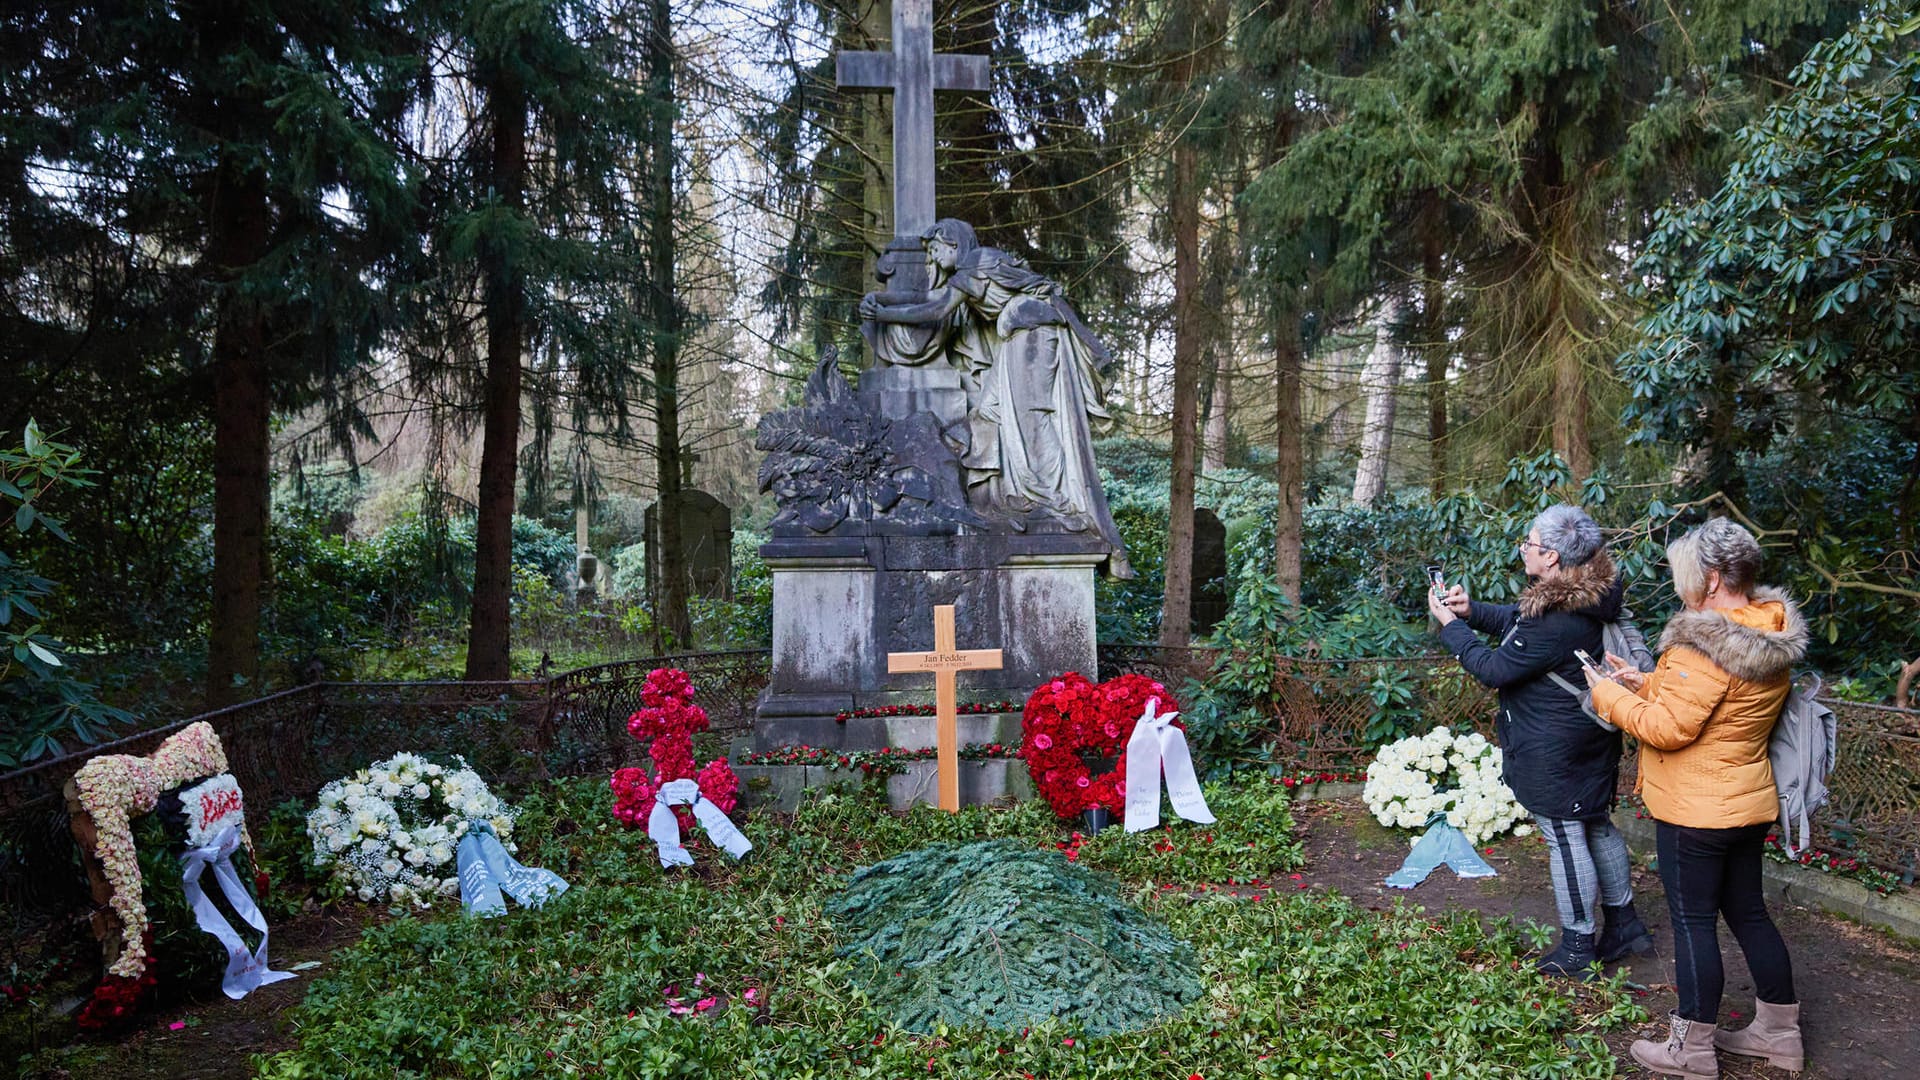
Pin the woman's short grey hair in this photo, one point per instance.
(1569, 531)
(1721, 545)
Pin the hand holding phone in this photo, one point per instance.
(1436, 578)
(1587, 661)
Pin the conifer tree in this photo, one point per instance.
(237, 163)
(539, 203)
(1535, 139)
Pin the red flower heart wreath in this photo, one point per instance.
(1070, 716)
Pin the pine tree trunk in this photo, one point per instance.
(1290, 469)
(489, 637)
(1379, 383)
(239, 235)
(1433, 319)
(673, 617)
(1176, 610)
(1570, 438)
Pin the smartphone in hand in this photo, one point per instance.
(1587, 661)
(1436, 578)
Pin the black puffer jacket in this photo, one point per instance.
(1558, 762)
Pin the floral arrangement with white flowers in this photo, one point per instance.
(390, 830)
(1442, 773)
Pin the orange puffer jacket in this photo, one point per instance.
(1706, 711)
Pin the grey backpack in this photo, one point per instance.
(1623, 639)
(1801, 751)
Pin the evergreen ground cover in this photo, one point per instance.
(731, 969)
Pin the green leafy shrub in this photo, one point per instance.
(42, 700)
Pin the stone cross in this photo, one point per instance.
(912, 71)
(946, 662)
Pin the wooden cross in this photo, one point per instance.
(946, 662)
(912, 71)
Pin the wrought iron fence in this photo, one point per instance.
(1327, 713)
(288, 745)
(1324, 714)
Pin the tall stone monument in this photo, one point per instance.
(960, 472)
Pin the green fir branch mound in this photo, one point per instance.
(999, 935)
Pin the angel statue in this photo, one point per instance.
(1032, 371)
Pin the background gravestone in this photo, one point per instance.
(706, 532)
(1210, 595)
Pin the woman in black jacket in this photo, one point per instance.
(1561, 765)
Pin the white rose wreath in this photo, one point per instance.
(1442, 773)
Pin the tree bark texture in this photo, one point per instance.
(1176, 611)
(1570, 436)
(672, 618)
(489, 637)
(1379, 383)
(1290, 467)
(1435, 345)
(238, 237)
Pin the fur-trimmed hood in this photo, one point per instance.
(1756, 653)
(1590, 585)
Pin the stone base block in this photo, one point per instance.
(875, 732)
(781, 787)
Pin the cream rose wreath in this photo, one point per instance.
(113, 789)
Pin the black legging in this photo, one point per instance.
(1709, 873)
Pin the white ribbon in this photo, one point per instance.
(1154, 745)
(245, 970)
(665, 828)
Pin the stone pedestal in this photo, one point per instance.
(841, 604)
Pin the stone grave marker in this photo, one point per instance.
(706, 531)
(1211, 596)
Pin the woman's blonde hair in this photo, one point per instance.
(1719, 545)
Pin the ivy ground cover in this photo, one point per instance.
(731, 970)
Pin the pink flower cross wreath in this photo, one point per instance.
(104, 797)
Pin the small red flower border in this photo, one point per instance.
(1071, 715)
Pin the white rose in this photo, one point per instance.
(417, 857)
(421, 791)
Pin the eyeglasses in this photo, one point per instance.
(1523, 545)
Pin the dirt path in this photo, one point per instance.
(215, 1038)
(1856, 985)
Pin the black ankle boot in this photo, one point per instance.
(1621, 933)
(1572, 959)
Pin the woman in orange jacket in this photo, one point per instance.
(1703, 717)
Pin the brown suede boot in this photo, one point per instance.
(1688, 1051)
(1774, 1035)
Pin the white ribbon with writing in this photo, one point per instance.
(245, 970)
(1156, 745)
(665, 828)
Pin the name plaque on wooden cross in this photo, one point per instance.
(946, 661)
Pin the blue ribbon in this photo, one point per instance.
(1442, 843)
(486, 870)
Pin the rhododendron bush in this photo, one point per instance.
(667, 721)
